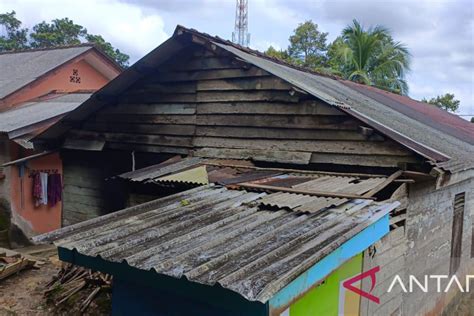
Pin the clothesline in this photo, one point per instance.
(47, 188)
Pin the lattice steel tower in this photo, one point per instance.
(240, 34)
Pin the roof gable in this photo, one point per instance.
(22, 68)
(440, 137)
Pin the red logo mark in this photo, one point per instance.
(348, 284)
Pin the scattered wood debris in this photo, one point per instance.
(79, 283)
(13, 263)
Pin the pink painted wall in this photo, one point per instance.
(90, 79)
(31, 219)
(34, 220)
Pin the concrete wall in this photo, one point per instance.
(429, 230)
(422, 247)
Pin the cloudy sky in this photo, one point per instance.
(438, 33)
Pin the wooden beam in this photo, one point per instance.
(383, 184)
(361, 175)
(305, 192)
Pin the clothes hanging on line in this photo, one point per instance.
(36, 189)
(54, 189)
(44, 188)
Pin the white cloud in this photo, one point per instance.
(439, 33)
(126, 26)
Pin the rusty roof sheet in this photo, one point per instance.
(220, 236)
(312, 204)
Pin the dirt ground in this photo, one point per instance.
(22, 294)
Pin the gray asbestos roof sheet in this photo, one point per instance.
(21, 68)
(35, 112)
(214, 235)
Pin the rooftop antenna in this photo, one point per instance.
(240, 35)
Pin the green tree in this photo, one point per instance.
(308, 45)
(106, 47)
(371, 57)
(15, 37)
(278, 54)
(446, 102)
(472, 119)
(60, 32)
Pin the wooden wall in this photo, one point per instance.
(213, 105)
(87, 194)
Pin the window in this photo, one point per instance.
(456, 240)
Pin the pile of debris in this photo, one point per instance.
(75, 288)
(13, 263)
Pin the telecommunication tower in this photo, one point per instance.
(240, 35)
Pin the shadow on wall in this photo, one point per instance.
(4, 223)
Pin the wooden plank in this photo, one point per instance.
(213, 62)
(184, 87)
(148, 148)
(302, 108)
(246, 96)
(262, 83)
(152, 97)
(287, 170)
(161, 140)
(151, 108)
(281, 121)
(277, 133)
(362, 160)
(146, 119)
(208, 75)
(382, 185)
(254, 154)
(298, 191)
(133, 128)
(211, 96)
(344, 147)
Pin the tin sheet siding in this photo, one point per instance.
(216, 107)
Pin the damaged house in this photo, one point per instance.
(211, 178)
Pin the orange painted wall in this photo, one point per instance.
(60, 80)
(40, 219)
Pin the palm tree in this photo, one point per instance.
(371, 57)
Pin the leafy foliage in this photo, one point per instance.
(367, 56)
(60, 32)
(279, 54)
(106, 47)
(446, 102)
(472, 119)
(371, 57)
(16, 37)
(308, 45)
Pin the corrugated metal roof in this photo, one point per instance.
(312, 204)
(21, 68)
(193, 167)
(35, 112)
(219, 236)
